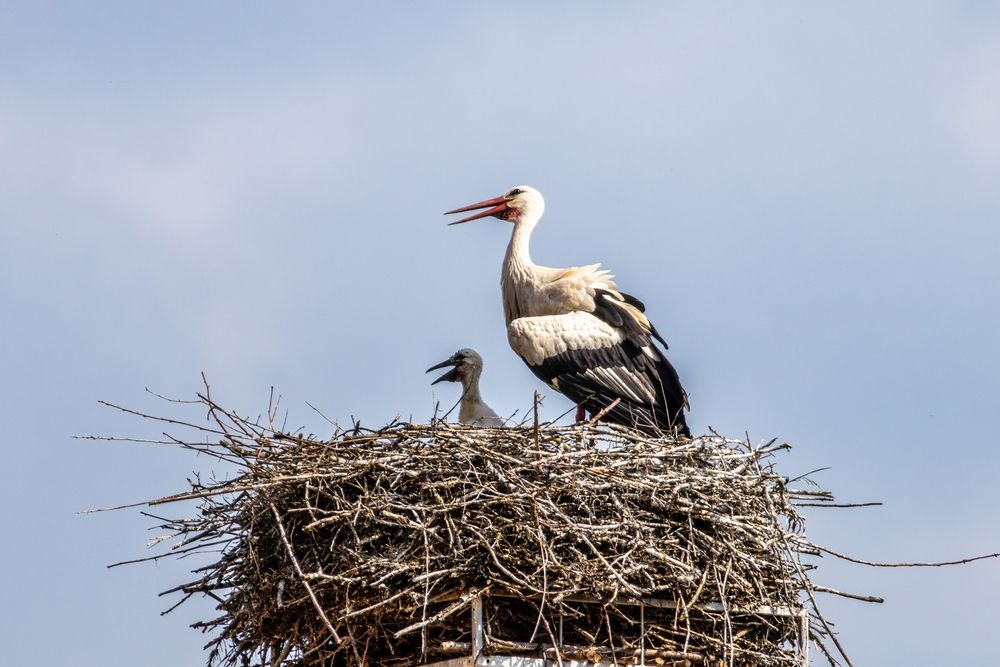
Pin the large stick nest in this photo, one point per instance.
(368, 548)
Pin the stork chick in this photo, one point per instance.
(467, 367)
(578, 332)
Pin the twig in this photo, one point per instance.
(870, 563)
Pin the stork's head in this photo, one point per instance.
(467, 365)
(519, 204)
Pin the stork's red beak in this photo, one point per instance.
(493, 206)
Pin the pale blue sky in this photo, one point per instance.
(805, 197)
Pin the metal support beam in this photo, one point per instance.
(478, 638)
(804, 637)
(642, 634)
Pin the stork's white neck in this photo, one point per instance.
(518, 250)
(518, 269)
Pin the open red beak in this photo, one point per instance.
(492, 206)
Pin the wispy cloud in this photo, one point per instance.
(977, 109)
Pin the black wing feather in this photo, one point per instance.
(607, 309)
(641, 307)
(567, 372)
(632, 301)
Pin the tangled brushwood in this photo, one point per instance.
(588, 542)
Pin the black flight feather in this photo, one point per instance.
(631, 367)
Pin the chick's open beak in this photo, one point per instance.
(450, 376)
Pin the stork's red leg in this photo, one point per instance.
(581, 414)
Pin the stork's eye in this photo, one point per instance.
(515, 192)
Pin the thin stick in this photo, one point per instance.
(302, 576)
(870, 563)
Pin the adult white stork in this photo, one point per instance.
(467, 367)
(578, 332)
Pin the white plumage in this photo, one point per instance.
(578, 332)
(467, 367)
(536, 339)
